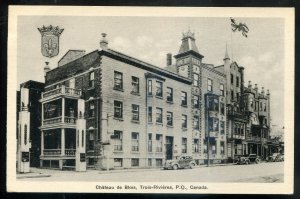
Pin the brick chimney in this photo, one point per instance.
(169, 59)
(103, 42)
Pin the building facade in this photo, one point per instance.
(108, 110)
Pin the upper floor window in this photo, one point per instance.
(260, 106)
(222, 151)
(222, 89)
(196, 122)
(169, 118)
(159, 142)
(91, 112)
(135, 85)
(149, 142)
(209, 85)
(196, 146)
(150, 114)
(118, 109)
(92, 79)
(222, 106)
(222, 127)
(183, 98)
(149, 87)
(184, 121)
(118, 80)
(196, 101)
(265, 106)
(135, 112)
(231, 78)
(232, 95)
(169, 94)
(159, 89)
(159, 115)
(237, 81)
(196, 79)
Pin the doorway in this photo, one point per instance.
(169, 148)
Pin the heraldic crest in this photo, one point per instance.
(50, 40)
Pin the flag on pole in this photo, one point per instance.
(240, 27)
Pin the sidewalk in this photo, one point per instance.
(42, 173)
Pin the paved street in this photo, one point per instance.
(263, 172)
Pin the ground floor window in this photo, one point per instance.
(150, 162)
(134, 162)
(91, 161)
(158, 162)
(51, 163)
(118, 162)
(184, 145)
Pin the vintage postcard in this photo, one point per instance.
(150, 100)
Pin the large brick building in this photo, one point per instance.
(108, 110)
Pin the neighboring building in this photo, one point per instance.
(33, 93)
(208, 118)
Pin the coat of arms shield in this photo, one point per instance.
(50, 40)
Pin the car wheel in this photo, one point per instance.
(175, 167)
(247, 162)
(257, 161)
(192, 165)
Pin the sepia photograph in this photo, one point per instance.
(150, 100)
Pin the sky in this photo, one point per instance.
(151, 38)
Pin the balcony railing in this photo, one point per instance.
(255, 139)
(57, 120)
(62, 90)
(70, 152)
(52, 152)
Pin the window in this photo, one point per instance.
(209, 85)
(159, 143)
(256, 106)
(265, 106)
(91, 109)
(205, 146)
(213, 148)
(196, 145)
(231, 78)
(222, 89)
(237, 96)
(135, 85)
(159, 90)
(184, 121)
(149, 142)
(183, 98)
(91, 140)
(134, 162)
(237, 82)
(222, 127)
(169, 118)
(184, 145)
(92, 79)
(213, 124)
(134, 141)
(149, 162)
(159, 115)
(260, 106)
(196, 122)
(118, 109)
(222, 108)
(251, 102)
(149, 114)
(222, 151)
(169, 94)
(196, 79)
(149, 87)
(158, 162)
(196, 101)
(135, 112)
(118, 140)
(118, 80)
(118, 162)
(232, 95)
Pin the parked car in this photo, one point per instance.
(247, 159)
(281, 157)
(275, 157)
(180, 162)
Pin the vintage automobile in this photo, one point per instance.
(247, 159)
(180, 162)
(275, 157)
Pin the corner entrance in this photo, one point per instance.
(169, 148)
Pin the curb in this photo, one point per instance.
(35, 176)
